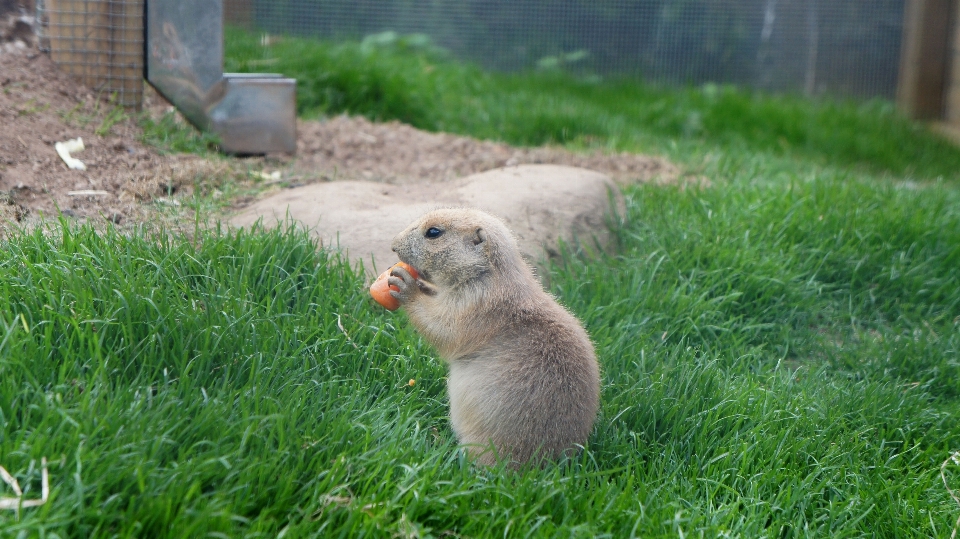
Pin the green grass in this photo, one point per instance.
(408, 81)
(170, 135)
(780, 359)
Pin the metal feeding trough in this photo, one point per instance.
(252, 113)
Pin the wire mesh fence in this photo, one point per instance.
(839, 47)
(98, 41)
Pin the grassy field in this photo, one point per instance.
(779, 352)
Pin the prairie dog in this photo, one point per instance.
(524, 380)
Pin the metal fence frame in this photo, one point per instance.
(837, 47)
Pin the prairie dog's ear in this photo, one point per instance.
(479, 236)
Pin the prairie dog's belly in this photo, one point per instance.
(477, 400)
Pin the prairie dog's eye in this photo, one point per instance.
(433, 232)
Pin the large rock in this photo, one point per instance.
(542, 204)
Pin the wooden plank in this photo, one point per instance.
(952, 105)
(79, 39)
(126, 50)
(101, 43)
(60, 21)
(924, 58)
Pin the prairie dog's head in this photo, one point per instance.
(456, 247)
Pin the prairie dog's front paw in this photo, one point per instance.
(403, 285)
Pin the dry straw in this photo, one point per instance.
(18, 502)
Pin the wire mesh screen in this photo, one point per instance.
(841, 47)
(98, 41)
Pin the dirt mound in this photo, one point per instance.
(40, 106)
(542, 204)
(354, 148)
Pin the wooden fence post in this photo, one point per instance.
(952, 93)
(924, 58)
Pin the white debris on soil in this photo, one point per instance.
(65, 149)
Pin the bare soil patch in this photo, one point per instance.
(40, 106)
(354, 148)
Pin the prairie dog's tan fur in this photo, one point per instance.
(524, 380)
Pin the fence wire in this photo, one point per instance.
(838, 47)
(98, 41)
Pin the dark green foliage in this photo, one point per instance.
(679, 40)
(413, 82)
